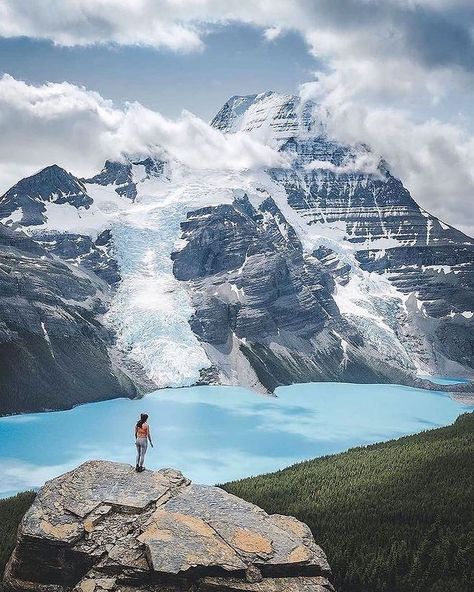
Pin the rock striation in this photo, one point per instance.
(255, 290)
(364, 223)
(105, 527)
(55, 350)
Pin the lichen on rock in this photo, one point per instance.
(104, 527)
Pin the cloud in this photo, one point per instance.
(430, 33)
(82, 22)
(433, 158)
(363, 161)
(78, 129)
(380, 57)
(272, 33)
(385, 49)
(435, 33)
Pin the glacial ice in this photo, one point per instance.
(151, 309)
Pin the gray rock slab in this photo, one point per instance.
(103, 526)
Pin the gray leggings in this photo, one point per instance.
(142, 445)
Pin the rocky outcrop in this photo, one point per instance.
(93, 253)
(121, 175)
(27, 207)
(105, 527)
(258, 294)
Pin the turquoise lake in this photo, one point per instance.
(215, 434)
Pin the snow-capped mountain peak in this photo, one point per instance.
(27, 200)
(271, 117)
(326, 269)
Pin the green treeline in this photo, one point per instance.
(392, 517)
(12, 510)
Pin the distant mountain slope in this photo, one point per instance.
(393, 517)
(323, 269)
(54, 349)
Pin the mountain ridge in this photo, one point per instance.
(326, 269)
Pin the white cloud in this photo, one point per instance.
(385, 49)
(362, 162)
(272, 33)
(85, 22)
(78, 129)
(355, 28)
(380, 57)
(433, 159)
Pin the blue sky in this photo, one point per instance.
(235, 60)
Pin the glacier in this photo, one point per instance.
(151, 310)
(323, 268)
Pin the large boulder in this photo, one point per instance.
(105, 527)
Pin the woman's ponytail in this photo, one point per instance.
(142, 420)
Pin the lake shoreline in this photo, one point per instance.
(456, 390)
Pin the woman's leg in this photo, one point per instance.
(137, 444)
(143, 447)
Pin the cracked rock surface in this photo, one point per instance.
(104, 527)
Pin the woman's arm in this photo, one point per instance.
(149, 437)
(136, 429)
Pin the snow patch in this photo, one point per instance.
(14, 217)
(437, 268)
(47, 339)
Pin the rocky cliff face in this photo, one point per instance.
(122, 175)
(54, 348)
(256, 291)
(360, 221)
(105, 527)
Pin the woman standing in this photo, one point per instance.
(142, 437)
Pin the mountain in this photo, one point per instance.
(357, 216)
(322, 269)
(55, 350)
(102, 527)
(27, 200)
